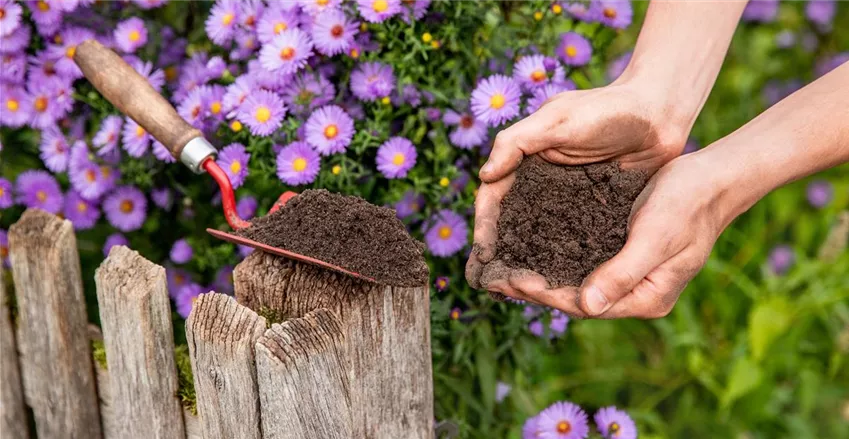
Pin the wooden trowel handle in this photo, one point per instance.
(121, 85)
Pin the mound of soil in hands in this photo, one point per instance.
(346, 231)
(564, 221)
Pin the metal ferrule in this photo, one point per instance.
(196, 152)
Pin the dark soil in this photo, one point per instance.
(346, 231)
(564, 221)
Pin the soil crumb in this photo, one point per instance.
(564, 221)
(346, 231)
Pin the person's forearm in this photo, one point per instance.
(803, 134)
(679, 53)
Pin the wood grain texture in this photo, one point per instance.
(386, 331)
(221, 335)
(302, 379)
(56, 361)
(135, 315)
(13, 417)
(121, 85)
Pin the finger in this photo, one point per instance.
(645, 250)
(535, 287)
(474, 267)
(528, 136)
(503, 287)
(487, 211)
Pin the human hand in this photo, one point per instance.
(674, 223)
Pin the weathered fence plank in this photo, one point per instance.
(135, 315)
(221, 336)
(56, 362)
(386, 332)
(13, 418)
(303, 386)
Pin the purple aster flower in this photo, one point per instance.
(236, 93)
(156, 78)
(502, 389)
(186, 297)
(106, 139)
(329, 130)
(125, 208)
(314, 7)
(574, 49)
(13, 67)
(615, 13)
(38, 189)
(540, 95)
(4, 248)
(181, 252)
(333, 32)
(780, 259)
(377, 11)
(613, 423)
(113, 240)
(223, 282)
(87, 178)
(54, 150)
(247, 43)
(307, 92)
(433, 114)
(47, 17)
(42, 68)
(10, 17)
(353, 107)
(410, 204)
(130, 34)
(246, 207)
(15, 106)
(16, 40)
(583, 10)
(470, 132)
(446, 233)
(536, 328)
(763, 11)
(6, 200)
(531, 430)
(371, 81)
(618, 66)
(275, 21)
(396, 157)
(409, 95)
(233, 159)
(297, 164)
(286, 53)
(162, 153)
(222, 21)
(829, 64)
(559, 322)
(136, 140)
(50, 101)
(441, 283)
(820, 193)
(251, 10)
(191, 109)
(82, 213)
(263, 112)
(531, 71)
(177, 278)
(414, 10)
(63, 53)
(496, 100)
(162, 198)
(563, 420)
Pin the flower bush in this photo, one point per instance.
(397, 102)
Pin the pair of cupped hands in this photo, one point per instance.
(674, 222)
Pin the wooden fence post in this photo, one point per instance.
(386, 332)
(13, 417)
(135, 315)
(56, 361)
(300, 365)
(221, 335)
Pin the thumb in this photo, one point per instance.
(616, 278)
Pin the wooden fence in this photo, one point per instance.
(348, 359)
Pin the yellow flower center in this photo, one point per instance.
(90, 176)
(564, 427)
(215, 108)
(337, 31)
(227, 18)
(134, 36)
(4, 252)
(497, 101)
(557, 9)
(445, 232)
(2, 191)
(235, 167)
(179, 279)
(398, 159)
(386, 100)
(139, 131)
(455, 314)
(322, 2)
(2, 13)
(280, 27)
(127, 206)
(363, 27)
(82, 207)
(355, 53)
(331, 131)
(380, 5)
(538, 76)
(610, 12)
(537, 16)
(467, 121)
(262, 114)
(236, 126)
(41, 104)
(287, 53)
(571, 51)
(41, 195)
(71, 51)
(614, 428)
(336, 169)
(43, 6)
(441, 283)
(299, 164)
(12, 104)
(170, 73)
(435, 44)
(105, 171)
(427, 37)
(57, 39)
(444, 181)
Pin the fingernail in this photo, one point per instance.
(596, 301)
(487, 168)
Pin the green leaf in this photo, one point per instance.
(745, 376)
(767, 321)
